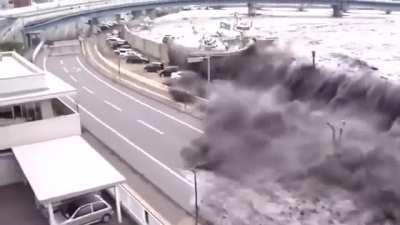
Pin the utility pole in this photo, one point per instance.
(196, 205)
(208, 68)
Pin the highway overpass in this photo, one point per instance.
(35, 18)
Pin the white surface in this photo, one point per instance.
(40, 130)
(55, 88)
(11, 67)
(64, 168)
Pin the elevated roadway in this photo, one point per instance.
(99, 7)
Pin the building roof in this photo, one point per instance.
(65, 168)
(21, 81)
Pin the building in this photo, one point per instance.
(40, 142)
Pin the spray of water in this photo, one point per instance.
(324, 136)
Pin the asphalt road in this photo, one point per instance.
(155, 127)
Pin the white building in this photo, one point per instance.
(40, 140)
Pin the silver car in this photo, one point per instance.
(84, 210)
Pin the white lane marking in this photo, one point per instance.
(65, 70)
(88, 90)
(137, 100)
(61, 62)
(45, 64)
(150, 127)
(141, 150)
(73, 78)
(113, 106)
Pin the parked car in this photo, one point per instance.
(84, 210)
(120, 51)
(154, 67)
(168, 71)
(136, 59)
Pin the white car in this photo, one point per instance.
(84, 210)
(123, 51)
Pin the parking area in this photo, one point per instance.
(17, 207)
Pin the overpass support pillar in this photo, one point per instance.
(337, 11)
(251, 8)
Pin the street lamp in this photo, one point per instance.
(196, 205)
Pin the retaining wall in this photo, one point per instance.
(147, 47)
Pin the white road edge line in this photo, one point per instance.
(88, 90)
(150, 127)
(73, 78)
(61, 62)
(138, 101)
(177, 175)
(113, 106)
(65, 70)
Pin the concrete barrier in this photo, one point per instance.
(150, 48)
(37, 50)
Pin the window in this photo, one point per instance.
(99, 206)
(83, 211)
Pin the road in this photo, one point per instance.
(150, 125)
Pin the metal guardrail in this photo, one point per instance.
(136, 208)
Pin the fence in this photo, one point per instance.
(136, 208)
(149, 48)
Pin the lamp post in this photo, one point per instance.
(195, 196)
(208, 68)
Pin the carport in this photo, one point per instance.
(64, 168)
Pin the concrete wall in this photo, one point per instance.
(10, 171)
(40, 130)
(149, 48)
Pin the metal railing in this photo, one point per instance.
(137, 208)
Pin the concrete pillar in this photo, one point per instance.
(337, 11)
(52, 220)
(301, 7)
(251, 8)
(46, 109)
(118, 204)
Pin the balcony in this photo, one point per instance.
(36, 122)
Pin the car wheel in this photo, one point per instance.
(106, 218)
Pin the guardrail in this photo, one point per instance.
(137, 208)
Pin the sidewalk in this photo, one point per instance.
(163, 205)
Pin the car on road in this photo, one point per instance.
(87, 209)
(154, 67)
(123, 51)
(134, 58)
(168, 71)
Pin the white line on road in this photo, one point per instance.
(73, 78)
(113, 106)
(61, 62)
(88, 90)
(150, 127)
(177, 175)
(65, 70)
(137, 100)
(45, 63)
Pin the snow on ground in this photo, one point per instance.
(371, 36)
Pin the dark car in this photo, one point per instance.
(154, 67)
(168, 71)
(136, 59)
